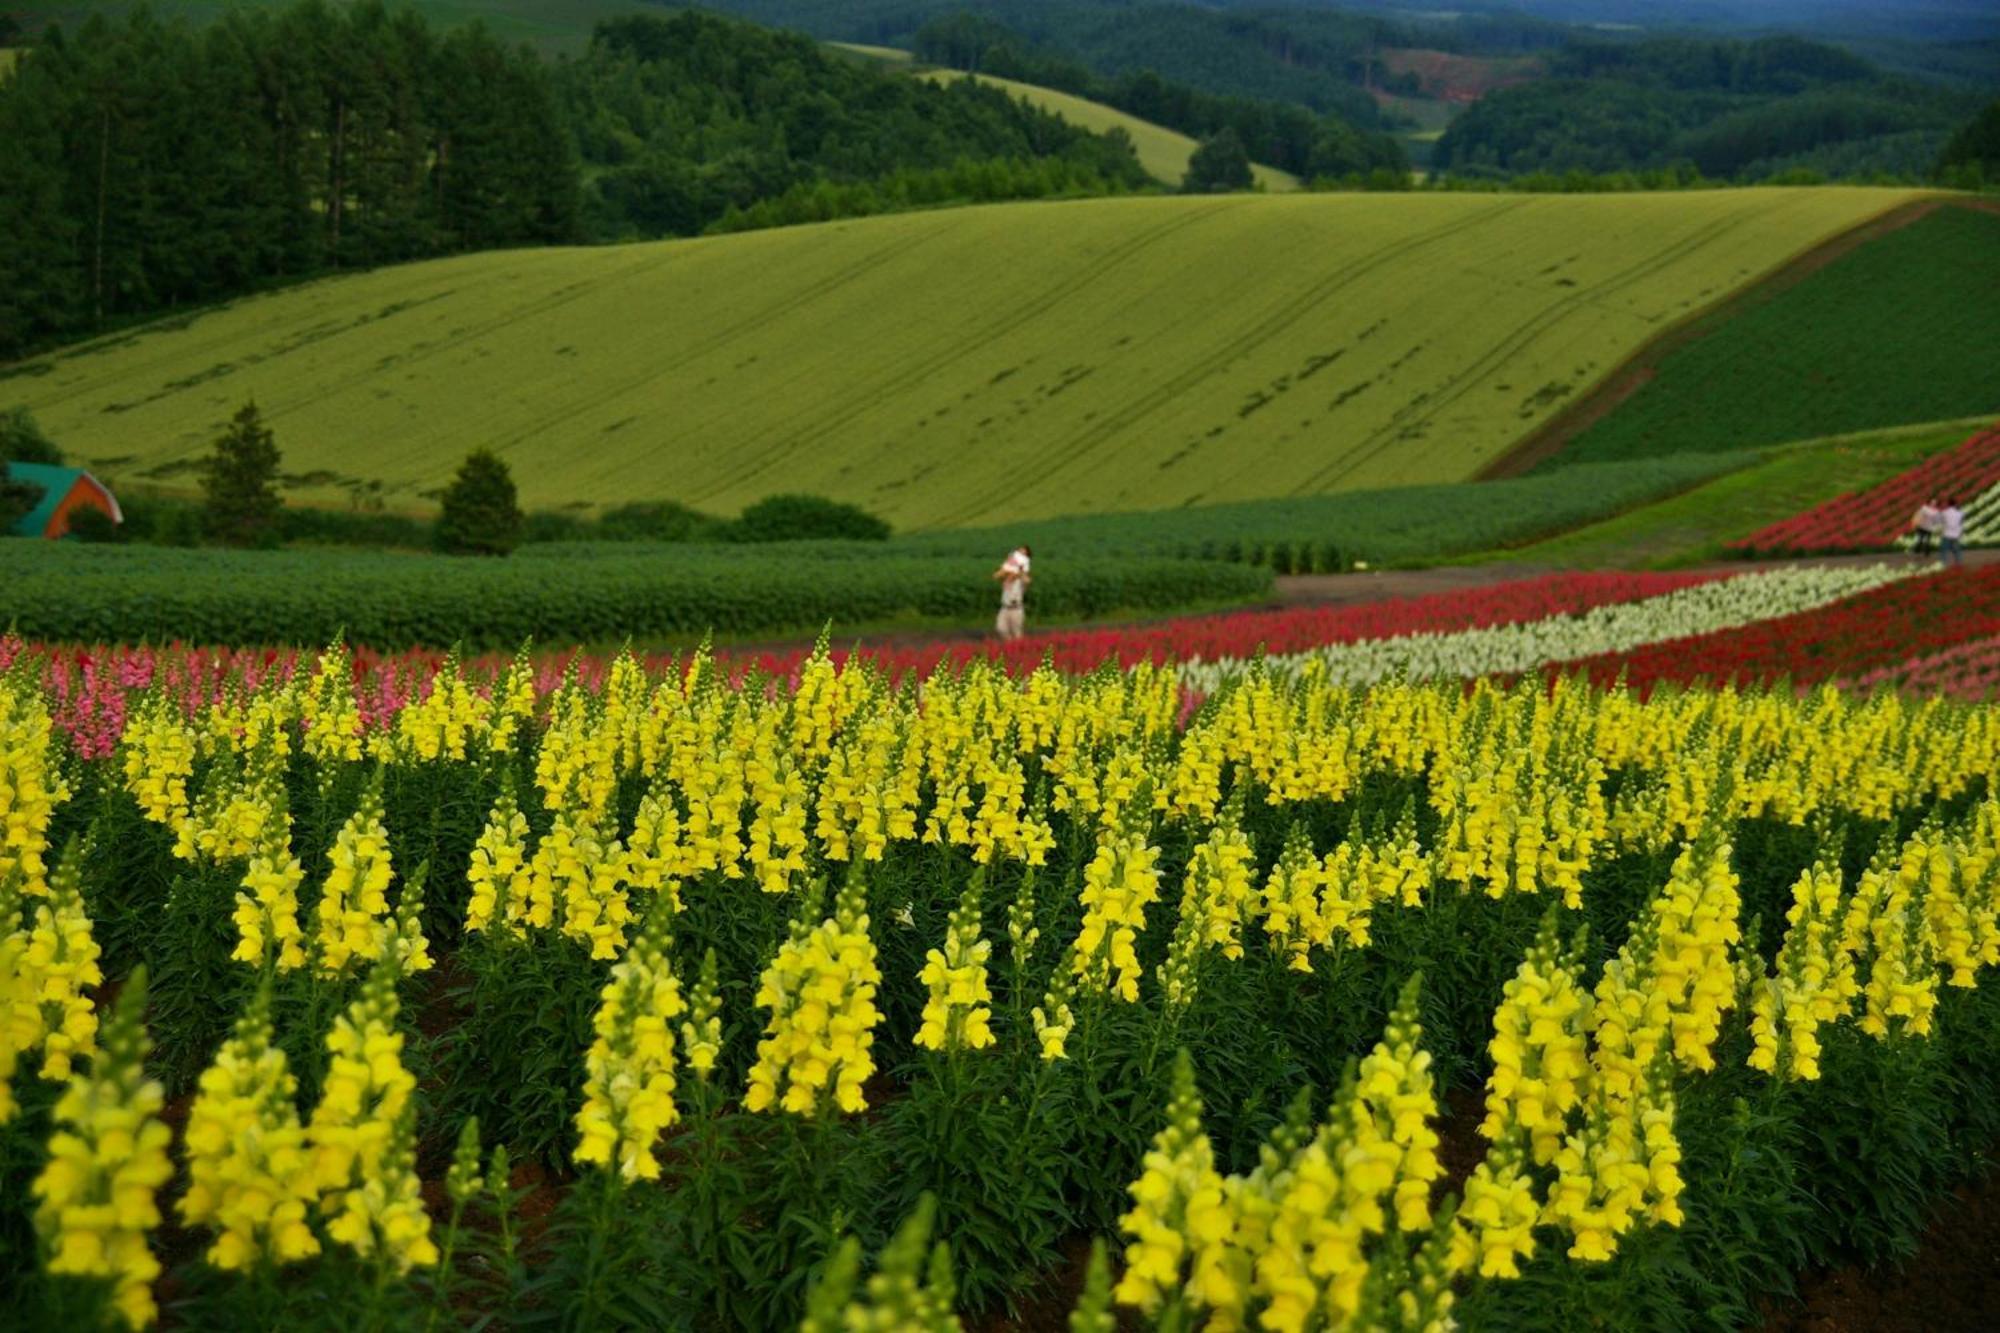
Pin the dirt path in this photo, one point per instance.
(1637, 370)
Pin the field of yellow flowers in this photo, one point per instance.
(673, 1001)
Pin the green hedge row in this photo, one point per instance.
(587, 594)
(1327, 533)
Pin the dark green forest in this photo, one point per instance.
(1285, 135)
(148, 166)
(1733, 110)
(683, 120)
(1311, 56)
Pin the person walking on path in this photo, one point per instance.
(1951, 528)
(1014, 578)
(1928, 520)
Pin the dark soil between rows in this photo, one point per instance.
(1951, 1285)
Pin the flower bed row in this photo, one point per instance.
(1862, 638)
(1967, 671)
(91, 684)
(1876, 518)
(718, 974)
(1605, 632)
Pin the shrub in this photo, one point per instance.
(94, 525)
(240, 504)
(657, 521)
(784, 518)
(481, 513)
(1220, 164)
(22, 439)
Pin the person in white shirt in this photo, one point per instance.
(1014, 578)
(1926, 523)
(1951, 528)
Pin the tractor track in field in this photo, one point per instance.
(1638, 370)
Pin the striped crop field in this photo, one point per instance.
(1164, 153)
(954, 367)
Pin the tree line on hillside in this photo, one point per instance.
(1285, 135)
(148, 165)
(1309, 55)
(479, 512)
(687, 120)
(1730, 109)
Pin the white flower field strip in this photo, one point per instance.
(1620, 627)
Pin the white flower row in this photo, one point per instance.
(1701, 609)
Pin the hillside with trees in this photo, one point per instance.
(149, 165)
(1733, 110)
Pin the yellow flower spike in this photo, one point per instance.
(628, 1091)
(1396, 1106)
(248, 1168)
(820, 991)
(498, 871)
(354, 900)
(958, 1011)
(1291, 901)
(1053, 1018)
(777, 849)
(158, 752)
(362, 1135)
(30, 786)
(328, 709)
(1121, 880)
(267, 906)
(701, 1034)
(56, 964)
(1180, 1208)
(97, 1197)
(1539, 1048)
(1494, 1228)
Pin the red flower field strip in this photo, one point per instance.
(1299, 629)
(1966, 671)
(1882, 628)
(1875, 518)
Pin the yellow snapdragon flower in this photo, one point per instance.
(1180, 1207)
(628, 1089)
(958, 1010)
(97, 1197)
(362, 1135)
(249, 1173)
(820, 991)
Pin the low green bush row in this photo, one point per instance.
(597, 594)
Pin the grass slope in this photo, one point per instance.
(954, 367)
(1904, 329)
(1164, 153)
(1696, 525)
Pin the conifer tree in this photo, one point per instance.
(240, 504)
(481, 512)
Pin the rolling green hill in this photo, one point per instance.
(954, 367)
(1164, 153)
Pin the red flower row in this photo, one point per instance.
(1845, 641)
(1875, 518)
